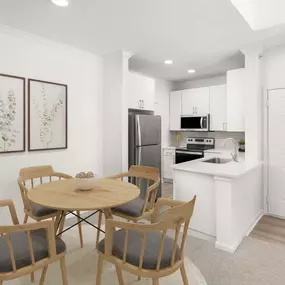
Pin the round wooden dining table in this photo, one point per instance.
(66, 196)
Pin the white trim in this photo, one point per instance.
(232, 249)
(266, 150)
(225, 247)
(255, 222)
(200, 235)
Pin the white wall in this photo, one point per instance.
(206, 82)
(112, 115)
(253, 105)
(273, 76)
(31, 57)
(161, 107)
(273, 66)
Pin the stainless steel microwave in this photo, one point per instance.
(197, 123)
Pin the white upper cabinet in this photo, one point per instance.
(196, 101)
(175, 110)
(218, 108)
(140, 91)
(235, 100)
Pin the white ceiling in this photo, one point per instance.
(261, 14)
(202, 34)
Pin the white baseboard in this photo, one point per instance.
(232, 249)
(255, 222)
(201, 235)
(225, 247)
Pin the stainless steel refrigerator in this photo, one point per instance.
(145, 140)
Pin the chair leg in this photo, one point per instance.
(120, 275)
(56, 223)
(43, 276)
(61, 226)
(99, 227)
(32, 277)
(99, 270)
(155, 281)
(26, 219)
(1, 282)
(63, 271)
(80, 229)
(184, 275)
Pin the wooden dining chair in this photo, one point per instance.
(146, 250)
(148, 180)
(29, 247)
(33, 176)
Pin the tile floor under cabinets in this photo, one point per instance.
(167, 190)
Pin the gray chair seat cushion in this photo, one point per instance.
(133, 208)
(21, 249)
(40, 211)
(153, 241)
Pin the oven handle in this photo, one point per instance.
(189, 152)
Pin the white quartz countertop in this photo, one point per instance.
(231, 169)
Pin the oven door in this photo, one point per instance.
(184, 156)
(195, 123)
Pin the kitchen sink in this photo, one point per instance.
(218, 160)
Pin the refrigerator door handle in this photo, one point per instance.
(139, 155)
(139, 136)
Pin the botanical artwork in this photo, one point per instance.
(47, 115)
(12, 114)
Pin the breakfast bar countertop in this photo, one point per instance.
(230, 169)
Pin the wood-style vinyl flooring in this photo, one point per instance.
(270, 229)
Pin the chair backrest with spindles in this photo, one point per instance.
(176, 218)
(147, 179)
(33, 176)
(7, 231)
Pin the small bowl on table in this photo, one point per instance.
(86, 184)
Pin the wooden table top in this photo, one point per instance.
(63, 194)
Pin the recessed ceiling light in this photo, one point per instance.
(191, 70)
(61, 3)
(168, 61)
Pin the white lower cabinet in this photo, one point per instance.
(168, 160)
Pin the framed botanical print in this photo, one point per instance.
(47, 115)
(12, 114)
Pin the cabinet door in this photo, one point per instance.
(202, 100)
(188, 102)
(195, 101)
(140, 91)
(167, 170)
(235, 100)
(175, 110)
(218, 108)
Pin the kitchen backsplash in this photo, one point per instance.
(218, 136)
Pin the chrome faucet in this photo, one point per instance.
(235, 154)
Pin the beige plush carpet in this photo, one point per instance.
(82, 264)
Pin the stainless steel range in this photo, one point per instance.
(194, 150)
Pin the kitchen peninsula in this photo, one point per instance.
(229, 197)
